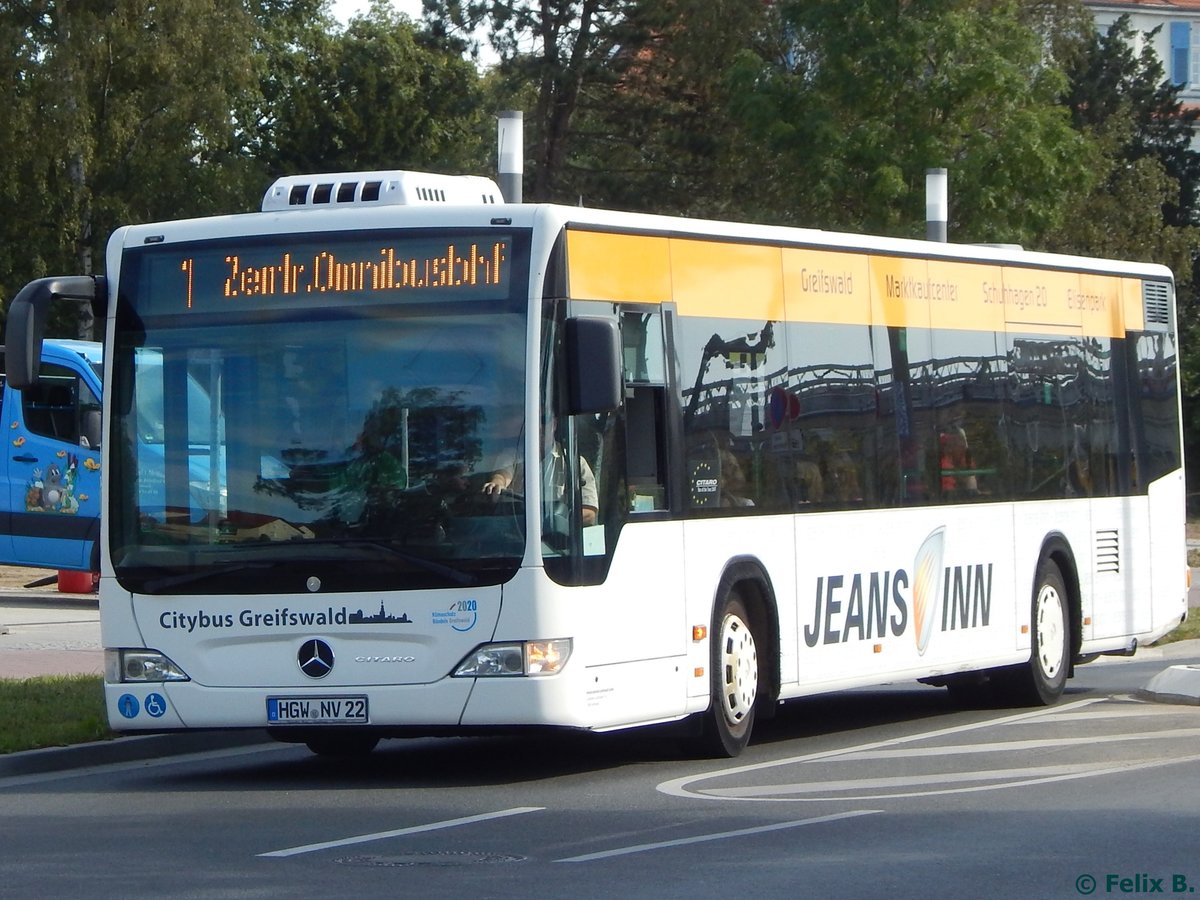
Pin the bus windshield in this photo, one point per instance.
(334, 430)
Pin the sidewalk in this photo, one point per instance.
(44, 631)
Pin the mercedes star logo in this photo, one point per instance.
(315, 658)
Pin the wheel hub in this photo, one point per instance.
(739, 665)
(1050, 634)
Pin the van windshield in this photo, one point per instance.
(339, 444)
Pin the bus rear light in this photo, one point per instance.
(140, 667)
(515, 659)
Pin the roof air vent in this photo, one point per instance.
(379, 189)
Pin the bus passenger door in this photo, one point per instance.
(635, 549)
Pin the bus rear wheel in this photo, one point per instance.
(735, 673)
(1041, 681)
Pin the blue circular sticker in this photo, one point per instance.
(128, 705)
(156, 705)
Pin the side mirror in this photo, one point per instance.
(26, 325)
(593, 360)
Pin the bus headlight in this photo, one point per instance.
(515, 659)
(140, 666)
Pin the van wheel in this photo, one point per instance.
(734, 680)
(1041, 681)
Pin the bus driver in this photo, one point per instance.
(512, 478)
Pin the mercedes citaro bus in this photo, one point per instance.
(755, 463)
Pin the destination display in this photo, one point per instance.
(299, 272)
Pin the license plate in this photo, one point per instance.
(317, 710)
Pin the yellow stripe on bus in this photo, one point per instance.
(623, 268)
(729, 280)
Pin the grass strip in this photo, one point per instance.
(1188, 631)
(51, 711)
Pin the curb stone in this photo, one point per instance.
(126, 749)
(1176, 684)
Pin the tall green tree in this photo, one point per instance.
(1146, 205)
(556, 48)
(127, 108)
(653, 129)
(871, 93)
(1123, 94)
(117, 111)
(377, 94)
(19, 145)
(1144, 200)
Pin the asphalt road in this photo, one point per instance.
(887, 792)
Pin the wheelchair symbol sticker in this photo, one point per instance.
(156, 705)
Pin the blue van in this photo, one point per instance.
(50, 512)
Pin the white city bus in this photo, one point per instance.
(765, 463)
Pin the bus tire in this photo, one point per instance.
(1041, 681)
(734, 680)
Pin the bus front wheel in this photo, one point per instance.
(735, 673)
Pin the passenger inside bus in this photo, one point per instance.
(957, 468)
(734, 486)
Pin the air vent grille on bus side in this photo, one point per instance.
(1108, 551)
(1156, 305)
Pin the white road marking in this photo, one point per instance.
(1041, 744)
(1137, 709)
(960, 782)
(400, 832)
(679, 787)
(1015, 778)
(720, 836)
